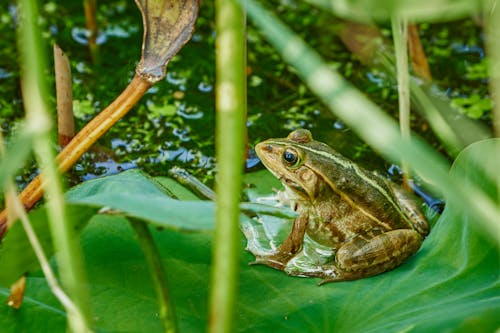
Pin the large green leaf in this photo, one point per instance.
(136, 194)
(452, 284)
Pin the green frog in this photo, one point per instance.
(370, 224)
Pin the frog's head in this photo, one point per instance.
(292, 163)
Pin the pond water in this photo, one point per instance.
(173, 124)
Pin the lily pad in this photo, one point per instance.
(135, 194)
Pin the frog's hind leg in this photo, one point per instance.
(411, 209)
(361, 257)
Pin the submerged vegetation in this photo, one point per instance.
(307, 65)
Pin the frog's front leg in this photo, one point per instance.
(361, 257)
(289, 248)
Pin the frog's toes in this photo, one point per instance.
(270, 260)
(329, 279)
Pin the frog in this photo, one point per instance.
(370, 224)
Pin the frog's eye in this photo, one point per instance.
(291, 157)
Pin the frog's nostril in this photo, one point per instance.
(263, 147)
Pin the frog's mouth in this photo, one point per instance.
(294, 187)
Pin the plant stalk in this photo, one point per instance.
(230, 141)
(492, 18)
(90, 8)
(66, 244)
(157, 272)
(400, 38)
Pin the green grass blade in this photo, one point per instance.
(415, 10)
(400, 36)
(16, 153)
(69, 257)
(492, 18)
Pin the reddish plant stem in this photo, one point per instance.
(90, 8)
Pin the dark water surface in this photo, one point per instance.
(174, 122)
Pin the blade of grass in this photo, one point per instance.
(69, 257)
(18, 152)
(400, 37)
(492, 39)
(415, 10)
(454, 130)
(492, 16)
(371, 123)
(231, 112)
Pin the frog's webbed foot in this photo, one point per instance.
(328, 273)
(276, 260)
(280, 258)
(334, 274)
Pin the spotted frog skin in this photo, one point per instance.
(370, 224)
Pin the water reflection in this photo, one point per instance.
(205, 87)
(191, 112)
(106, 168)
(182, 134)
(4, 74)
(81, 36)
(339, 125)
(180, 82)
